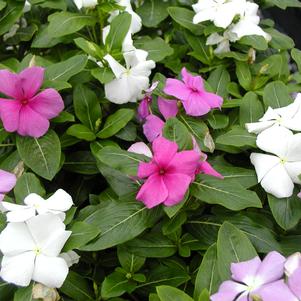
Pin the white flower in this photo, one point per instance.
(277, 173)
(220, 12)
(130, 80)
(292, 263)
(289, 117)
(140, 148)
(59, 202)
(31, 251)
(223, 41)
(85, 3)
(27, 7)
(136, 23)
(248, 23)
(70, 257)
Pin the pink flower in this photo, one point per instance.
(167, 175)
(196, 100)
(7, 182)
(26, 111)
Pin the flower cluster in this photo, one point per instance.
(223, 14)
(275, 278)
(280, 169)
(31, 244)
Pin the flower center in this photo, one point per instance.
(38, 251)
(162, 171)
(24, 101)
(283, 160)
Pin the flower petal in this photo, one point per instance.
(294, 148)
(9, 84)
(117, 68)
(294, 282)
(15, 239)
(9, 113)
(228, 291)
(164, 150)
(292, 263)
(168, 108)
(153, 127)
(278, 182)
(50, 271)
(205, 167)
(177, 89)
(48, 103)
(213, 100)
(153, 192)
(59, 201)
(193, 82)
(18, 269)
(275, 140)
(7, 181)
(258, 127)
(31, 79)
(141, 148)
(177, 185)
(17, 216)
(31, 123)
(195, 105)
(294, 170)
(204, 15)
(147, 169)
(225, 15)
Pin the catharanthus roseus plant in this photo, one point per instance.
(149, 150)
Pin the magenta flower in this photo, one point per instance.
(256, 278)
(25, 110)
(167, 175)
(7, 182)
(196, 100)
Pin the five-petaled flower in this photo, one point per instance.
(25, 110)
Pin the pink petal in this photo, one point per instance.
(213, 100)
(164, 150)
(143, 108)
(271, 268)
(276, 291)
(185, 162)
(153, 192)
(31, 80)
(228, 291)
(147, 169)
(48, 103)
(140, 148)
(9, 84)
(9, 112)
(31, 123)
(177, 89)
(205, 168)
(193, 82)
(294, 282)
(7, 181)
(245, 271)
(177, 185)
(168, 108)
(195, 105)
(153, 127)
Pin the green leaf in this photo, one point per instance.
(82, 233)
(118, 30)
(176, 131)
(207, 276)
(42, 155)
(157, 48)
(81, 132)
(218, 80)
(276, 95)
(63, 71)
(153, 12)
(118, 221)
(82, 162)
(65, 23)
(238, 137)
(286, 211)
(279, 40)
(184, 17)
(24, 294)
(232, 246)
(104, 75)
(218, 121)
(227, 192)
(296, 55)
(244, 75)
(169, 293)
(284, 3)
(256, 42)
(129, 261)
(10, 15)
(77, 287)
(251, 109)
(115, 122)
(89, 48)
(28, 183)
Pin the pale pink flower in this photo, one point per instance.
(26, 111)
(7, 182)
(168, 175)
(191, 91)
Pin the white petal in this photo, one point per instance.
(277, 182)
(204, 15)
(223, 47)
(15, 239)
(270, 114)
(294, 148)
(18, 216)
(50, 271)
(258, 127)
(70, 257)
(78, 3)
(60, 201)
(55, 243)
(203, 4)
(105, 32)
(140, 148)
(117, 91)
(225, 15)
(294, 170)
(275, 140)
(263, 164)
(136, 23)
(247, 28)
(143, 68)
(33, 200)
(117, 68)
(6, 206)
(214, 39)
(18, 269)
(290, 111)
